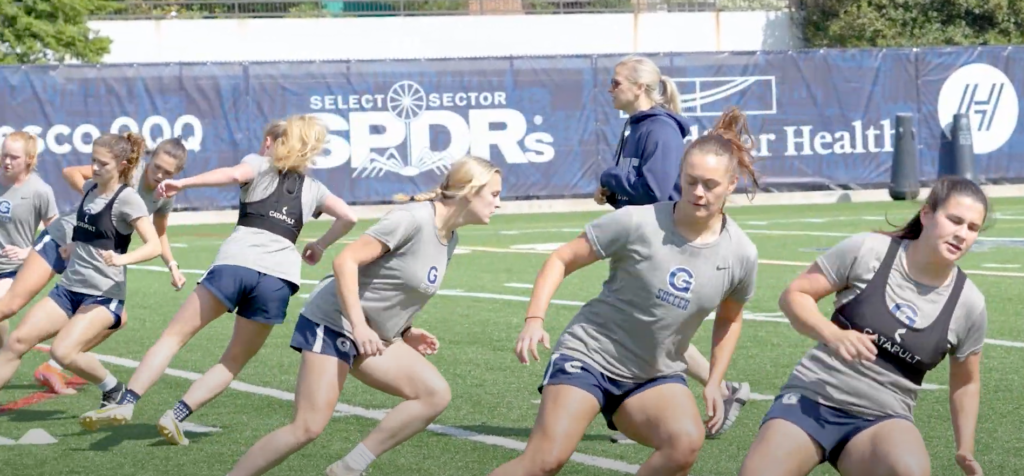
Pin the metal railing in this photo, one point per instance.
(199, 9)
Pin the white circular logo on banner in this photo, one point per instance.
(988, 98)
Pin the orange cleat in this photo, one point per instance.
(52, 378)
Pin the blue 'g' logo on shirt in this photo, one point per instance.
(905, 312)
(5, 207)
(680, 280)
(432, 275)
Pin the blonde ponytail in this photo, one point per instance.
(419, 197)
(670, 95)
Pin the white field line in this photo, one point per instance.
(525, 249)
(768, 317)
(342, 408)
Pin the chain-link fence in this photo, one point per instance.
(194, 9)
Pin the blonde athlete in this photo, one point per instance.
(167, 160)
(901, 305)
(26, 201)
(671, 265)
(255, 272)
(92, 290)
(360, 320)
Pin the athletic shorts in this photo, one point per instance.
(70, 301)
(323, 340)
(610, 393)
(830, 427)
(249, 293)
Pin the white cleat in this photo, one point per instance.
(170, 429)
(113, 415)
(339, 468)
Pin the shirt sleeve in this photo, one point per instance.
(609, 234)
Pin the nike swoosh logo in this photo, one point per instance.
(720, 267)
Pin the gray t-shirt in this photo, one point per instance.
(86, 271)
(864, 388)
(659, 290)
(22, 208)
(394, 287)
(60, 229)
(262, 250)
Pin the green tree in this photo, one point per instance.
(911, 23)
(44, 31)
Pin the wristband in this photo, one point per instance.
(172, 264)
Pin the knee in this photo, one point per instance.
(63, 355)
(18, 344)
(307, 430)
(436, 394)
(544, 462)
(682, 448)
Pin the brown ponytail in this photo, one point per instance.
(726, 138)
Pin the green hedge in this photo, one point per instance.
(910, 23)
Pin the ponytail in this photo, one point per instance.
(730, 137)
(137, 147)
(419, 197)
(670, 95)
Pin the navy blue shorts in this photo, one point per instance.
(50, 251)
(70, 301)
(609, 392)
(249, 293)
(323, 340)
(830, 427)
(9, 274)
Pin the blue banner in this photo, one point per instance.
(821, 118)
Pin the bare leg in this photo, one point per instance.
(42, 322)
(246, 340)
(321, 378)
(782, 449)
(199, 309)
(565, 413)
(666, 418)
(891, 448)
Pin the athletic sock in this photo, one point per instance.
(108, 383)
(182, 411)
(360, 458)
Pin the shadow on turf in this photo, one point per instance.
(519, 432)
(27, 415)
(114, 436)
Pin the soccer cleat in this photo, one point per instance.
(170, 429)
(52, 378)
(110, 415)
(739, 394)
(339, 468)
